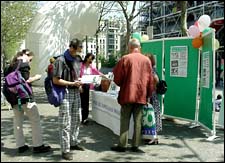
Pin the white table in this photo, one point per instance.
(106, 111)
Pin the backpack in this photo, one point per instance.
(16, 88)
(55, 93)
(161, 87)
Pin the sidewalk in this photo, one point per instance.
(177, 143)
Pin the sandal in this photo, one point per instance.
(153, 142)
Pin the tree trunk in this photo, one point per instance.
(128, 36)
(183, 18)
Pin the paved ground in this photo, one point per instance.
(177, 143)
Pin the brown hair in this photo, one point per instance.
(21, 53)
(18, 54)
(152, 59)
(27, 52)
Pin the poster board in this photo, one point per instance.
(181, 75)
(155, 47)
(207, 82)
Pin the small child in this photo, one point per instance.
(218, 103)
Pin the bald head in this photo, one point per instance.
(134, 44)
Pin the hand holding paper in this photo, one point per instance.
(87, 79)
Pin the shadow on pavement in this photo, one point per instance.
(98, 138)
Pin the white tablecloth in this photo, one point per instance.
(106, 111)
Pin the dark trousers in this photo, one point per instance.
(126, 112)
(85, 101)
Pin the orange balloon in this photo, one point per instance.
(197, 42)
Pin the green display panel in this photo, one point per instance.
(155, 47)
(206, 82)
(181, 73)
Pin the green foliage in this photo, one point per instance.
(110, 62)
(16, 18)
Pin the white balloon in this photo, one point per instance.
(216, 44)
(204, 22)
(144, 38)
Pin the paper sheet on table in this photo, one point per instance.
(87, 79)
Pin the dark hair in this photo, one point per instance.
(24, 51)
(14, 60)
(219, 97)
(152, 58)
(87, 56)
(21, 53)
(75, 43)
(27, 52)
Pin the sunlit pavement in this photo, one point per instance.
(176, 143)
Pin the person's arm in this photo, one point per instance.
(155, 81)
(57, 73)
(34, 78)
(151, 84)
(94, 71)
(25, 72)
(59, 81)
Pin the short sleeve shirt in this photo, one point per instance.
(62, 70)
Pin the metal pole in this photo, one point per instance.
(164, 19)
(86, 44)
(97, 51)
(150, 27)
(151, 22)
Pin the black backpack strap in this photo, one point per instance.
(72, 71)
(18, 66)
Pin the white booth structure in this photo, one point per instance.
(56, 23)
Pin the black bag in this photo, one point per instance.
(161, 87)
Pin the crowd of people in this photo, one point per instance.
(137, 88)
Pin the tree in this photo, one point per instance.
(110, 62)
(16, 18)
(130, 16)
(183, 18)
(104, 8)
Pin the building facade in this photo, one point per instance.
(109, 39)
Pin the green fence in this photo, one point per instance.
(184, 65)
(207, 81)
(155, 47)
(181, 74)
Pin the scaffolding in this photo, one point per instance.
(166, 16)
